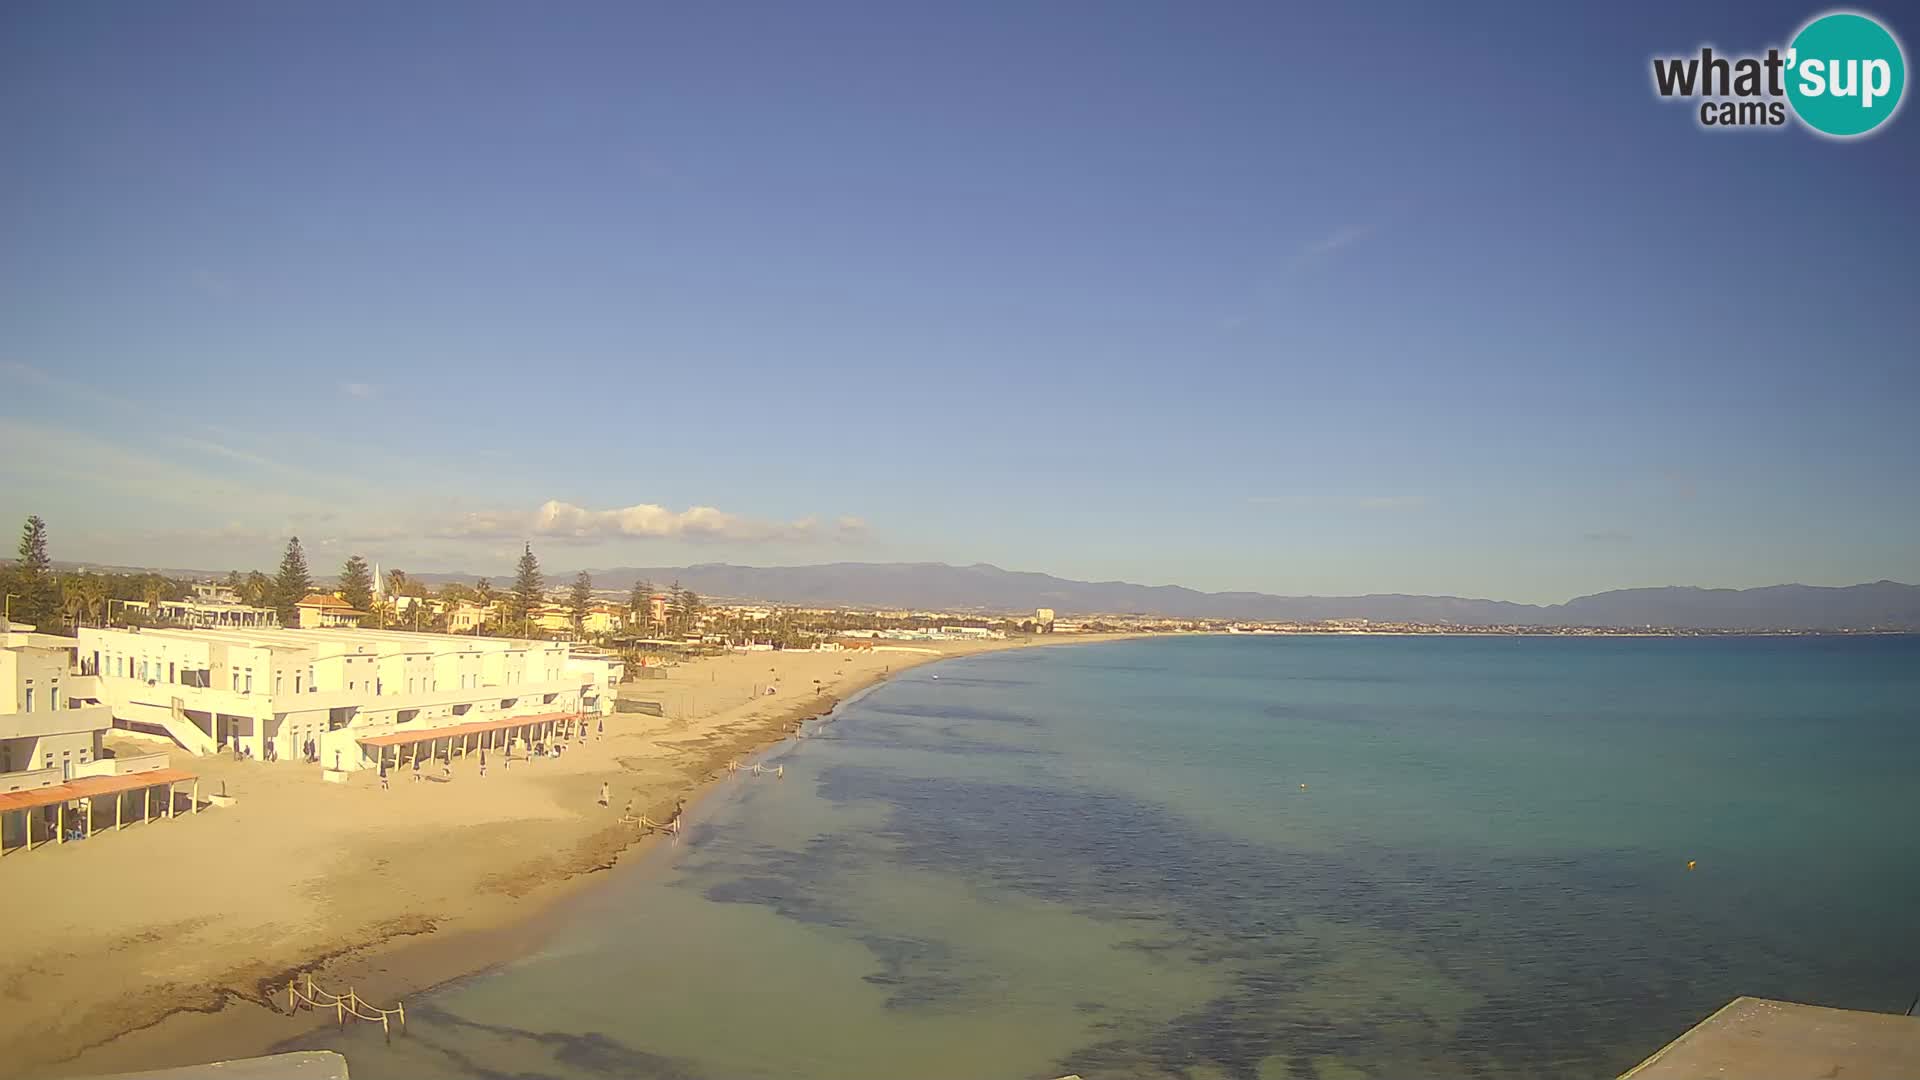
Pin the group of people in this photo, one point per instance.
(242, 752)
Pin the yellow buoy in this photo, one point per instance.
(1690, 864)
(1303, 787)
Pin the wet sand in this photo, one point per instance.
(165, 943)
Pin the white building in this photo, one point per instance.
(281, 692)
(50, 724)
(204, 613)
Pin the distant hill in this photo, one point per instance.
(1883, 605)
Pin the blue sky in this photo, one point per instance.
(1403, 297)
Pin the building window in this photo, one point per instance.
(29, 707)
(236, 680)
(279, 682)
(249, 682)
(170, 674)
(53, 697)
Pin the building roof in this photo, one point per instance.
(478, 727)
(329, 603)
(88, 786)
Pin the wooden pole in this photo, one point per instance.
(169, 800)
(196, 796)
(60, 818)
(89, 819)
(118, 798)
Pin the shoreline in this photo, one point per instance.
(509, 914)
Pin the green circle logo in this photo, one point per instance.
(1845, 74)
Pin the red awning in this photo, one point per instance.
(88, 786)
(480, 727)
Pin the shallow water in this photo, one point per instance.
(1102, 860)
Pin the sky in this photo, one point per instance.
(1398, 297)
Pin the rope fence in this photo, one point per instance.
(777, 770)
(646, 822)
(343, 1006)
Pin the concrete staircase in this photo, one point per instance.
(188, 734)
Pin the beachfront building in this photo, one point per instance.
(203, 613)
(56, 783)
(50, 722)
(284, 694)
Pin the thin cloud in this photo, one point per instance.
(1347, 502)
(1336, 241)
(566, 522)
(359, 390)
(1607, 536)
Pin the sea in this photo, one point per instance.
(1247, 857)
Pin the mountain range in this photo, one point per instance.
(982, 587)
(1881, 605)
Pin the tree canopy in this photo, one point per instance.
(527, 584)
(36, 596)
(292, 584)
(580, 598)
(356, 584)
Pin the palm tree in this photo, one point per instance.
(152, 590)
(73, 601)
(94, 591)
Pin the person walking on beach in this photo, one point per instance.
(606, 794)
(602, 733)
(416, 768)
(446, 768)
(483, 764)
(383, 774)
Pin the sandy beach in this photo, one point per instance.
(160, 945)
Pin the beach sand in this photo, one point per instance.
(159, 945)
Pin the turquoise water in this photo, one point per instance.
(1101, 860)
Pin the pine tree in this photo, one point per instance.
(292, 584)
(356, 584)
(580, 598)
(641, 602)
(37, 595)
(527, 583)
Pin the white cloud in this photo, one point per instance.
(564, 521)
(359, 389)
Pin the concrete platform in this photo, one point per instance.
(1782, 1040)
